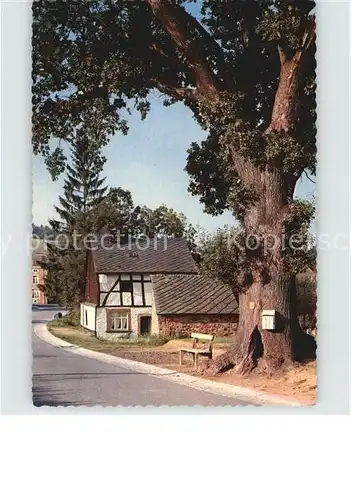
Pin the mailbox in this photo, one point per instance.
(268, 319)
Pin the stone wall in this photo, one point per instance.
(219, 325)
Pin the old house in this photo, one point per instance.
(152, 287)
(38, 276)
(193, 303)
(39, 255)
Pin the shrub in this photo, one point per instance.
(71, 319)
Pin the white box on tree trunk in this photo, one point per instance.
(268, 319)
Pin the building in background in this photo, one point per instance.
(38, 275)
(39, 253)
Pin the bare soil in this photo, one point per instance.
(298, 383)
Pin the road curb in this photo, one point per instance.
(249, 396)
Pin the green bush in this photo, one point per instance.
(72, 319)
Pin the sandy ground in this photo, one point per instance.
(298, 383)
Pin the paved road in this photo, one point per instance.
(64, 378)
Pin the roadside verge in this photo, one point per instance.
(249, 396)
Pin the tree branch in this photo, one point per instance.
(182, 28)
(309, 178)
(282, 55)
(177, 92)
(309, 36)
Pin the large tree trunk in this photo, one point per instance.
(272, 286)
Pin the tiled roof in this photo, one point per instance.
(197, 294)
(153, 256)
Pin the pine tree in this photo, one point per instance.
(83, 187)
(83, 191)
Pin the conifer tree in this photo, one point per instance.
(83, 191)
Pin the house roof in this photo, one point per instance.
(160, 256)
(192, 294)
(37, 260)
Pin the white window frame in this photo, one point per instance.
(121, 317)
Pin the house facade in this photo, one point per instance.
(193, 303)
(39, 255)
(124, 292)
(38, 276)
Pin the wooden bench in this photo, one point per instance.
(205, 350)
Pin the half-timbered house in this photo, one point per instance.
(152, 287)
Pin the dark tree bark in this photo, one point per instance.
(272, 286)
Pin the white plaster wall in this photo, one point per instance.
(91, 312)
(155, 329)
(135, 312)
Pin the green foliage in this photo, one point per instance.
(72, 319)
(83, 187)
(83, 191)
(299, 252)
(209, 175)
(221, 257)
(306, 293)
(285, 24)
(162, 222)
(114, 213)
(94, 59)
(230, 256)
(41, 231)
(286, 152)
(56, 163)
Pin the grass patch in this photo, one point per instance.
(71, 320)
(84, 338)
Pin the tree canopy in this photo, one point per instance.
(94, 58)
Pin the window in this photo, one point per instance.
(107, 281)
(138, 294)
(126, 286)
(148, 294)
(35, 296)
(118, 321)
(35, 270)
(86, 317)
(35, 280)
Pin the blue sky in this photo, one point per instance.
(150, 162)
